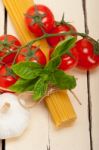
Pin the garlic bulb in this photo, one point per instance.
(14, 119)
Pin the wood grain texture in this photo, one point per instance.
(93, 25)
(84, 2)
(1, 18)
(42, 135)
(65, 138)
(0, 145)
(2, 14)
(36, 135)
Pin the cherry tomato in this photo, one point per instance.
(69, 61)
(53, 41)
(39, 17)
(87, 58)
(33, 54)
(6, 80)
(8, 44)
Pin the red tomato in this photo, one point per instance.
(69, 62)
(8, 42)
(53, 41)
(87, 58)
(38, 17)
(6, 81)
(34, 54)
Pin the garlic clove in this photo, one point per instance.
(15, 120)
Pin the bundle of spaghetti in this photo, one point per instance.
(58, 103)
(60, 108)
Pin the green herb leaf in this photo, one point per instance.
(64, 46)
(27, 70)
(36, 78)
(62, 80)
(52, 64)
(23, 85)
(40, 89)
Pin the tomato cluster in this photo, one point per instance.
(9, 46)
(40, 20)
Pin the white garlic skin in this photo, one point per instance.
(15, 120)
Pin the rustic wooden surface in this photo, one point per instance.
(2, 31)
(83, 134)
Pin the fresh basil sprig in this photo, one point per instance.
(27, 70)
(34, 77)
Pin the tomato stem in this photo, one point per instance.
(18, 51)
(46, 35)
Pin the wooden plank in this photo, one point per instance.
(0, 145)
(75, 137)
(2, 18)
(93, 24)
(1, 32)
(36, 134)
(41, 134)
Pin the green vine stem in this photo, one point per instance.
(46, 35)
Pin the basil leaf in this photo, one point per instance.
(64, 46)
(40, 89)
(53, 64)
(27, 70)
(62, 80)
(23, 85)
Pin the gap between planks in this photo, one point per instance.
(88, 79)
(49, 145)
(88, 83)
(5, 32)
(4, 141)
(88, 88)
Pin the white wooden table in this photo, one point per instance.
(84, 134)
